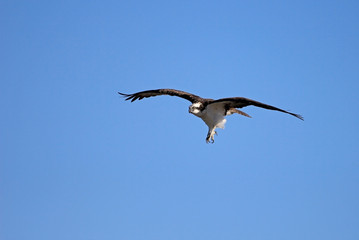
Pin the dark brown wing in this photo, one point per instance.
(152, 93)
(239, 102)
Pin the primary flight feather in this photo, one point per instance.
(211, 111)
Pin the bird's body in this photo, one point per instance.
(211, 111)
(212, 115)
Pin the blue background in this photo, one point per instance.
(78, 162)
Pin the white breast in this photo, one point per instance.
(213, 116)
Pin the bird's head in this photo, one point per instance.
(196, 108)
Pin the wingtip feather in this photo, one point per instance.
(298, 116)
(127, 96)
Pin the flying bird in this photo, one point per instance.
(211, 111)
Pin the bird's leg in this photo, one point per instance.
(210, 135)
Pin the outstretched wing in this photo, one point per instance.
(239, 102)
(152, 93)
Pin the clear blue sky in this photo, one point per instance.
(78, 162)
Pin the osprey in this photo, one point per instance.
(211, 111)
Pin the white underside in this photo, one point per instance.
(213, 116)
